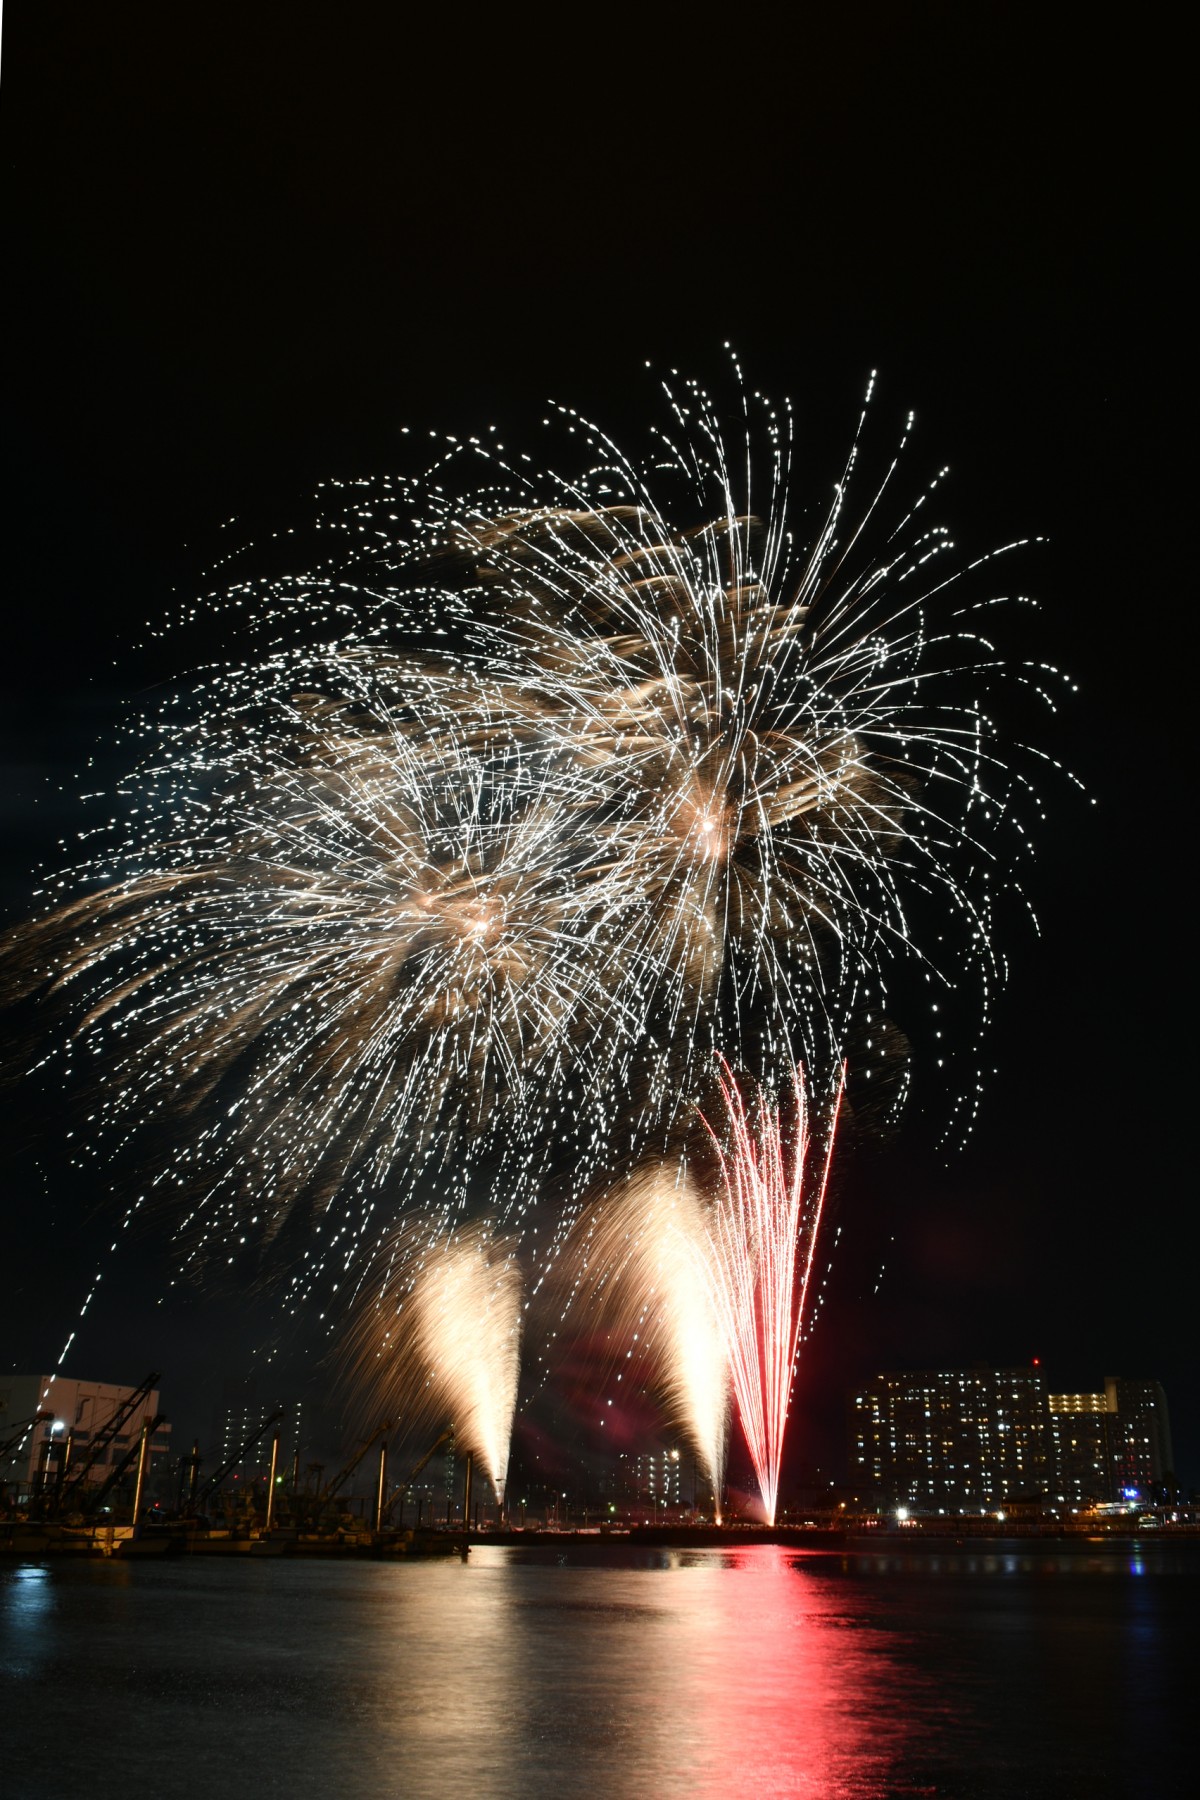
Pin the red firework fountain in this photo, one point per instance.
(764, 1238)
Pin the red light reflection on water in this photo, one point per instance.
(648, 1674)
(786, 1686)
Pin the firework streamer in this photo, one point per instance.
(763, 1237)
(441, 1340)
(641, 1256)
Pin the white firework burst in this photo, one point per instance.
(543, 789)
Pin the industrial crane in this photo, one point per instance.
(118, 1469)
(330, 1489)
(400, 1493)
(24, 1427)
(214, 1481)
(100, 1440)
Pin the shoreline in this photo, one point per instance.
(32, 1540)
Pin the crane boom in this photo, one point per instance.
(101, 1439)
(214, 1481)
(118, 1469)
(23, 1429)
(416, 1469)
(344, 1475)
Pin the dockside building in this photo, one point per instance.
(978, 1439)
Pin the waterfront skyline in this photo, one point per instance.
(206, 333)
(1001, 1447)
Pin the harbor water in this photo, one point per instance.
(989, 1670)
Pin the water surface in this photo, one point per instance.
(607, 1671)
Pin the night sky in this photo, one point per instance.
(243, 255)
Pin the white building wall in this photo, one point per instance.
(81, 1409)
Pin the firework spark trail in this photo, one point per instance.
(528, 805)
(642, 1256)
(442, 1340)
(763, 1238)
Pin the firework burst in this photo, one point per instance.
(559, 785)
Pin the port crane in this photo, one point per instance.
(210, 1487)
(339, 1480)
(401, 1492)
(94, 1499)
(24, 1427)
(73, 1484)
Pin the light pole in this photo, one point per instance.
(271, 1484)
(140, 1483)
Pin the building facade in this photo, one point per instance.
(949, 1441)
(1141, 1454)
(970, 1440)
(239, 1419)
(650, 1479)
(1082, 1440)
